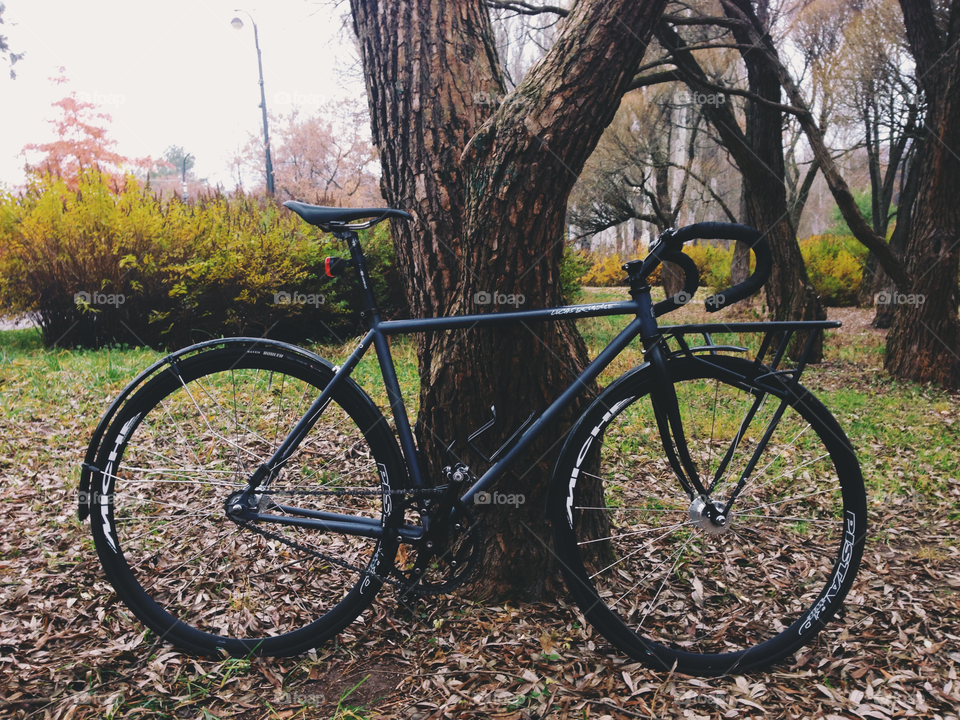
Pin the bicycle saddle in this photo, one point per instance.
(322, 216)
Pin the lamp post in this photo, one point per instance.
(237, 24)
(183, 176)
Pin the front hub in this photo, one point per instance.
(709, 517)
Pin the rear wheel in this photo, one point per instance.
(656, 573)
(175, 458)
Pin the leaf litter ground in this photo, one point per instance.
(69, 649)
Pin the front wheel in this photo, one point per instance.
(179, 452)
(652, 569)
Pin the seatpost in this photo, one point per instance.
(360, 262)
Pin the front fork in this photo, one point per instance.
(666, 409)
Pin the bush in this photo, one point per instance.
(99, 267)
(573, 265)
(713, 263)
(604, 271)
(835, 266)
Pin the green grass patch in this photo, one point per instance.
(905, 435)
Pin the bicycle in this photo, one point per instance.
(248, 497)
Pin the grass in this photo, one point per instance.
(906, 434)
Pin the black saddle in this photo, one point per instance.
(327, 217)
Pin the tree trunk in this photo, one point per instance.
(789, 292)
(489, 188)
(740, 263)
(924, 339)
(873, 279)
(879, 284)
(759, 156)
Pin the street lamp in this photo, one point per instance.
(237, 24)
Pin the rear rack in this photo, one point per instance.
(776, 334)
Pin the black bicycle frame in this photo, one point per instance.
(380, 330)
(644, 325)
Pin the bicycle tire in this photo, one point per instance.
(187, 439)
(662, 583)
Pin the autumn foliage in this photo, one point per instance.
(96, 264)
(323, 158)
(82, 143)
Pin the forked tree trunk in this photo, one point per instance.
(759, 155)
(489, 187)
(789, 292)
(924, 339)
(880, 286)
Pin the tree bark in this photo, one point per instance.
(489, 186)
(873, 278)
(881, 285)
(924, 339)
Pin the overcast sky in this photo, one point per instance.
(169, 73)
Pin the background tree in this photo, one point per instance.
(652, 164)
(173, 173)
(82, 142)
(12, 57)
(922, 344)
(174, 162)
(324, 158)
(488, 187)
(924, 339)
(881, 98)
(757, 149)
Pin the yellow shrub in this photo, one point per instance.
(607, 271)
(835, 266)
(99, 266)
(713, 264)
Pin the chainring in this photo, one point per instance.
(450, 565)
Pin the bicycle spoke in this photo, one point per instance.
(198, 437)
(661, 570)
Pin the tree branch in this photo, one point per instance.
(704, 183)
(524, 8)
(838, 186)
(701, 20)
(801, 200)
(673, 76)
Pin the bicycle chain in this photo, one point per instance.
(421, 492)
(435, 492)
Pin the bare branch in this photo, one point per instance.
(674, 76)
(705, 184)
(524, 8)
(701, 20)
(858, 225)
